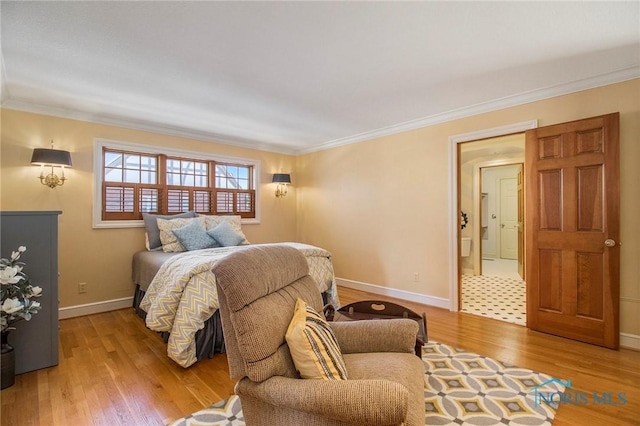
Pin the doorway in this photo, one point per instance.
(500, 204)
(571, 223)
(490, 197)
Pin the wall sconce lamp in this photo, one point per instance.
(283, 180)
(51, 157)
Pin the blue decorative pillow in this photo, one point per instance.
(194, 237)
(225, 235)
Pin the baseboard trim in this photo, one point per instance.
(627, 340)
(392, 292)
(95, 308)
(630, 341)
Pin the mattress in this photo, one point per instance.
(146, 265)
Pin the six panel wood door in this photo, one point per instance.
(572, 205)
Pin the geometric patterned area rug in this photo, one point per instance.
(224, 413)
(461, 388)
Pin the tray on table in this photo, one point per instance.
(379, 309)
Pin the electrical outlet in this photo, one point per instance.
(82, 288)
(416, 277)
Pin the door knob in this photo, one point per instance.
(609, 242)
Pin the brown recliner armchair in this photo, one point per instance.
(257, 290)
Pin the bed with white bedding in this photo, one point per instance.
(176, 292)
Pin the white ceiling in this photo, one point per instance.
(302, 76)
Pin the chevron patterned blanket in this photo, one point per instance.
(183, 295)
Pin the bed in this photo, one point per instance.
(176, 295)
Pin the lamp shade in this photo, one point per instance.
(281, 178)
(51, 157)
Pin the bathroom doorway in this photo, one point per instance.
(492, 243)
(501, 204)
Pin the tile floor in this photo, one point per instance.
(499, 293)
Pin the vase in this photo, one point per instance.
(7, 362)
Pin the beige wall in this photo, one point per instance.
(381, 206)
(102, 258)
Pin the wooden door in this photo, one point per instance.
(572, 206)
(521, 224)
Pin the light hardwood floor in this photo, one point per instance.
(114, 371)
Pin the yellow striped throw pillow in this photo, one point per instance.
(314, 348)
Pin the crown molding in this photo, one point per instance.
(25, 106)
(619, 76)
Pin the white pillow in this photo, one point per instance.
(153, 241)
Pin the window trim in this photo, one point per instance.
(99, 144)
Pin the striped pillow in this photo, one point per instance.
(314, 348)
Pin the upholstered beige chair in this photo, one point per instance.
(258, 289)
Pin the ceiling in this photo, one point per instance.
(296, 77)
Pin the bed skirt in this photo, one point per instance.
(209, 340)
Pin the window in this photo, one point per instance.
(136, 180)
(233, 182)
(130, 185)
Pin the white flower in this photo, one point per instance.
(8, 275)
(17, 291)
(15, 255)
(11, 305)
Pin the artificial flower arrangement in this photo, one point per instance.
(17, 292)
